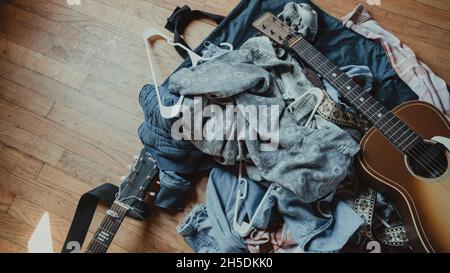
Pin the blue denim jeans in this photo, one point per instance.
(209, 228)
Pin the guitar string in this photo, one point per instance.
(304, 47)
(426, 165)
(393, 136)
(110, 226)
(105, 226)
(424, 151)
(108, 222)
(134, 194)
(94, 245)
(342, 82)
(136, 166)
(137, 189)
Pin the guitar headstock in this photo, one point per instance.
(276, 29)
(135, 185)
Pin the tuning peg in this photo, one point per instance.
(158, 182)
(122, 178)
(152, 194)
(129, 167)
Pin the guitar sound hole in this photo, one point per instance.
(428, 160)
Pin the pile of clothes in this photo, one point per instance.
(302, 196)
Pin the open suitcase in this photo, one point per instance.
(334, 40)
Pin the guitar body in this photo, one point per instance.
(424, 204)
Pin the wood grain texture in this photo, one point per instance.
(69, 83)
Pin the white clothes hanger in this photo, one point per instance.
(168, 112)
(243, 228)
(318, 93)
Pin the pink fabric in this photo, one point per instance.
(272, 240)
(417, 75)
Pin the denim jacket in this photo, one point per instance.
(209, 228)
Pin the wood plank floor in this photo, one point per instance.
(69, 83)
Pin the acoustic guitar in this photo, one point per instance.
(406, 153)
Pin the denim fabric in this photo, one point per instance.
(312, 231)
(173, 190)
(217, 215)
(171, 154)
(197, 231)
(335, 41)
(310, 162)
(302, 18)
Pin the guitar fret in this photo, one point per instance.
(416, 137)
(407, 131)
(395, 130)
(379, 114)
(321, 65)
(107, 230)
(386, 132)
(398, 128)
(398, 138)
(357, 97)
(308, 47)
(315, 56)
(100, 242)
(374, 104)
(134, 186)
(336, 77)
(362, 102)
(392, 117)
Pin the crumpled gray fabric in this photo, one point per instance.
(309, 162)
(302, 18)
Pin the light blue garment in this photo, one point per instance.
(212, 225)
(174, 186)
(173, 190)
(310, 162)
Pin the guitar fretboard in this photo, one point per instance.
(108, 228)
(403, 137)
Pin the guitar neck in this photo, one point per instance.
(108, 228)
(398, 133)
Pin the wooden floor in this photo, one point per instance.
(69, 83)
